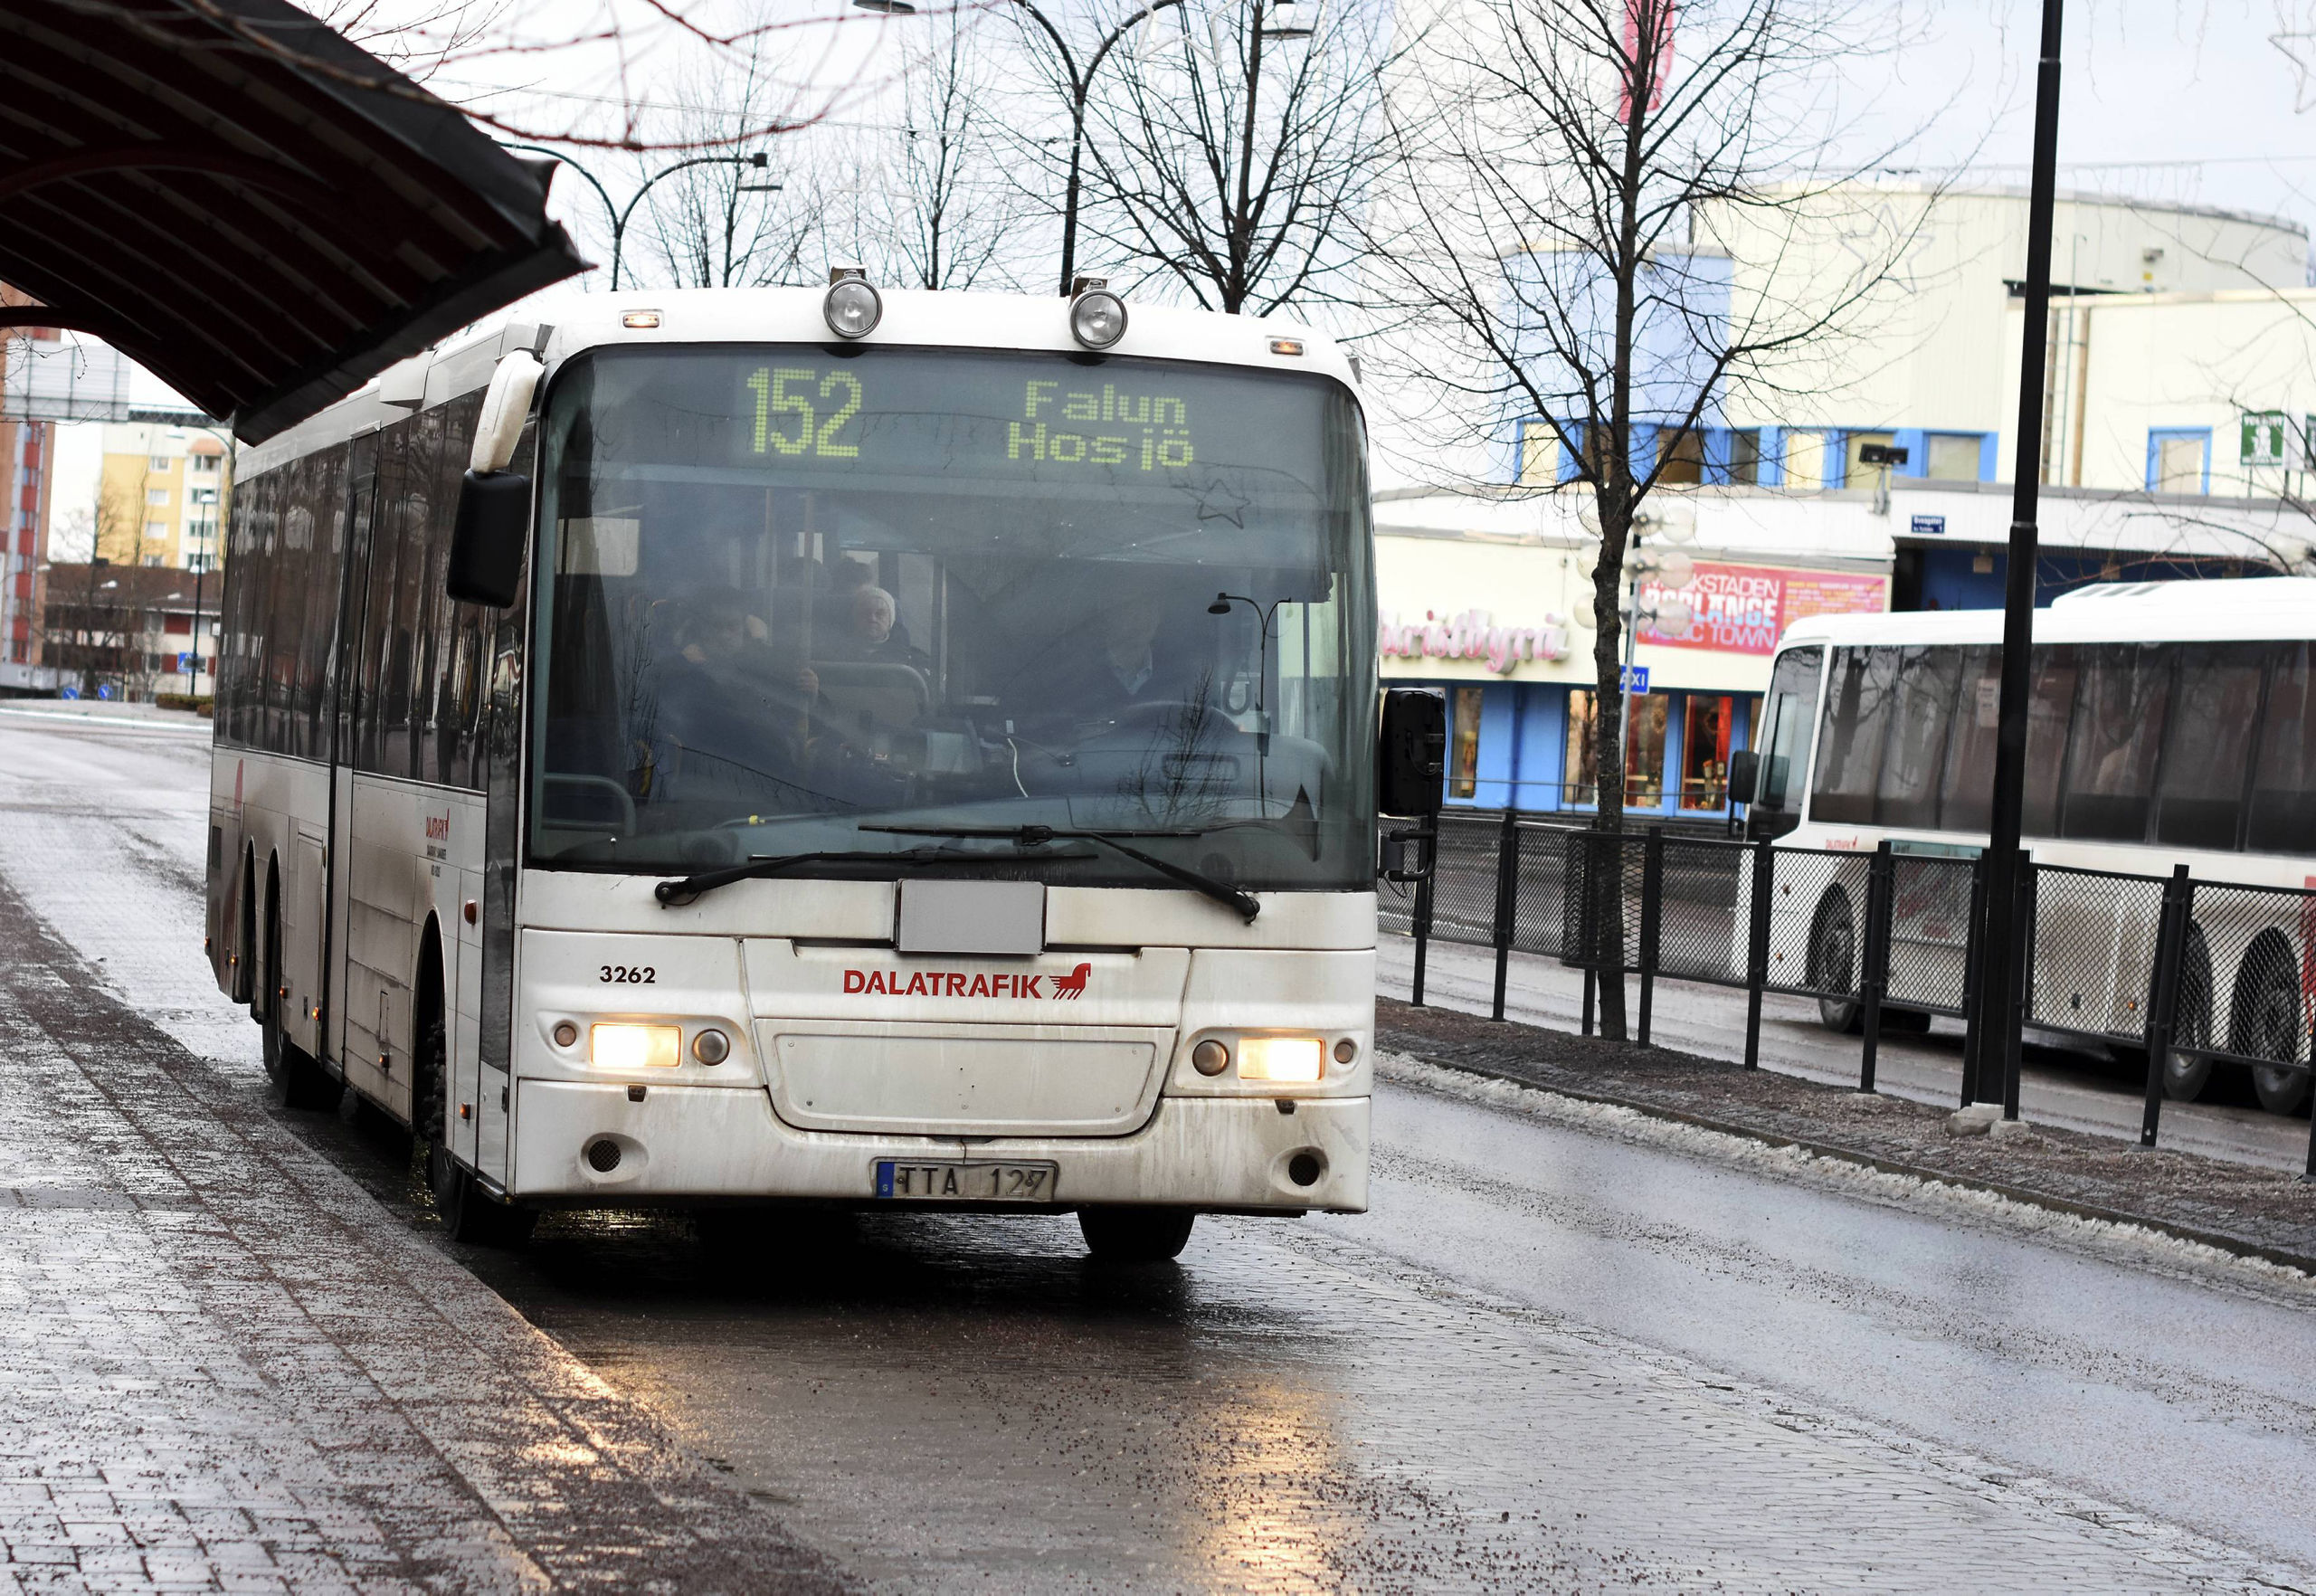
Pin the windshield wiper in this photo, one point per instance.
(1222, 892)
(688, 889)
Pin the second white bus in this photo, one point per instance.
(2170, 723)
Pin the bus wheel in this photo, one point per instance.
(2267, 1023)
(1135, 1235)
(1833, 962)
(298, 1079)
(2184, 1076)
(468, 1214)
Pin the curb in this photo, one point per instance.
(2218, 1242)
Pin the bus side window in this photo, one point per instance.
(2119, 712)
(2283, 781)
(1966, 792)
(2200, 802)
(2050, 710)
(1912, 763)
(1858, 700)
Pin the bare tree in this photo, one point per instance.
(1228, 151)
(719, 223)
(948, 217)
(1575, 184)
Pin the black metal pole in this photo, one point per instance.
(1996, 1016)
(1429, 861)
(1507, 903)
(1652, 923)
(1974, 954)
(2163, 997)
(1874, 968)
(1757, 951)
(2022, 974)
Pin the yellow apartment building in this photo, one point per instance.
(161, 498)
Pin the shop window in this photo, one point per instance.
(1704, 751)
(1953, 457)
(1643, 750)
(1464, 743)
(1682, 456)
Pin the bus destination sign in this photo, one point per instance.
(826, 415)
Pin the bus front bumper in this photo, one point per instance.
(721, 1144)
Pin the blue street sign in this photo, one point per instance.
(68, 693)
(184, 664)
(1636, 679)
(1930, 525)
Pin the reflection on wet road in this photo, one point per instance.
(1554, 1357)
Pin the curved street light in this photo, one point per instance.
(619, 215)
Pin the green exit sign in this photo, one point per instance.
(2272, 438)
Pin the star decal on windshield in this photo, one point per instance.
(1218, 501)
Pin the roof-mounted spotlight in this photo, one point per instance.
(1096, 315)
(851, 307)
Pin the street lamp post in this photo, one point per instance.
(620, 214)
(1995, 1023)
(1081, 85)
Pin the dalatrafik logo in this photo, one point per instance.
(959, 984)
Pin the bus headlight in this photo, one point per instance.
(635, 1047)
(853, 307)
(1097, 319)
(1287, 1058)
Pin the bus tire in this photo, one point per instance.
(1135, 1235)
(467, 1212)
(2184, 1077)
(1833, 962)
(297, 1077)
(2266, 1022)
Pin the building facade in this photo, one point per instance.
(27, 452)
(161, 496)
(134, 632)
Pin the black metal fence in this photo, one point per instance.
(2195, 972)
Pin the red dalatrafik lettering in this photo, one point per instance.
(961, 983)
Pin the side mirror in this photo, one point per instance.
(1411, 753)
(487, 542)
(1757, 778)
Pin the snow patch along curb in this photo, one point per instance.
(1778, 1154)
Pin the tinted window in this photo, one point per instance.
(1967, 787)
(2119, 702)
(1907, 794)
(1849, 747)
(2200, 801)
(2283, 781)
(2050, 709)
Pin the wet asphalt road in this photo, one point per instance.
(1563, 1351)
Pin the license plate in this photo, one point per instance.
(976, 1180)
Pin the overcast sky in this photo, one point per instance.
(2205, 102)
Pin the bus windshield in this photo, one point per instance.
(787, 595)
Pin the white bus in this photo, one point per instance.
(911, 748)
(2169, 722)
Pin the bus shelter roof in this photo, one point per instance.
(260, 212)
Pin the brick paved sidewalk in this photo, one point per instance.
(224, 1366)
(2237, 1207)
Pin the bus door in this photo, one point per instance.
(346, 690)
(507, 635)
